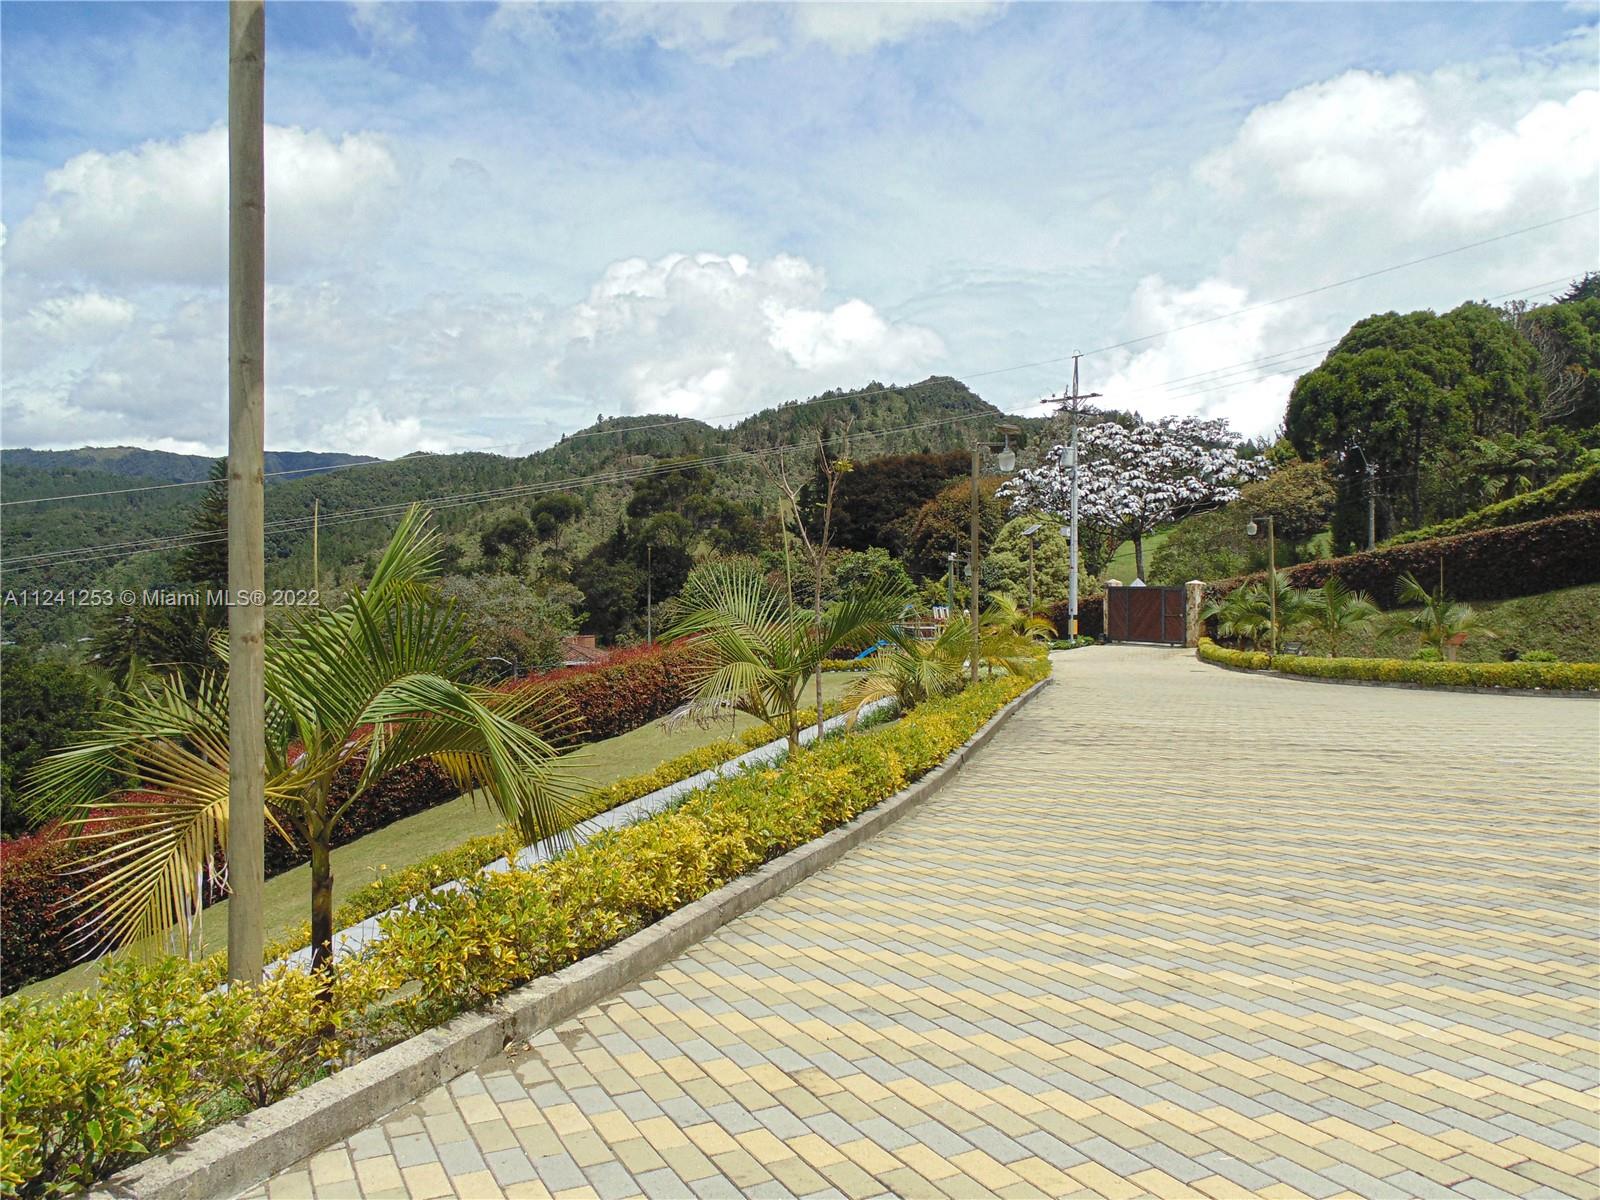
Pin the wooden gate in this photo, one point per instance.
(1145, 614)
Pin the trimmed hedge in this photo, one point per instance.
(99, 1079)
(398, 887)
(1091, 617)
(1564, 677)
(630, 689)
(1575, 492)
(34, 886)
(42, 872)
(1493, 564)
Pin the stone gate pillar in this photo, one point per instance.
(1194, 601)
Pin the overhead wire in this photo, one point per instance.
(134, 547)
(307, 472)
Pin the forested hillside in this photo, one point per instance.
(471, 494)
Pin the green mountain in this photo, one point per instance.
(93, 540)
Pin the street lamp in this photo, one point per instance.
(1272, 573)
(1372, 498)
(950, 583)
(1006, 460)
(1032, 534)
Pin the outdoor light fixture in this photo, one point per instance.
(1006, 459)
(1031, 530)
(1272, 572)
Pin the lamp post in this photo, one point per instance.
(1006, 460)
(1372, 498)
(950, 583)
(1032, 534)
(1272, 574)
(649, 594)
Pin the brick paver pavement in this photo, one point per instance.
(1176, 931)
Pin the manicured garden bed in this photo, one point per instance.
(99, 1079)
(1563, 677)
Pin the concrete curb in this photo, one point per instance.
(230, 1158)
(1556, 693)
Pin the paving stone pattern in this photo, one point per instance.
(1175, 932)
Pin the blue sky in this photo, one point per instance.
(489, 223)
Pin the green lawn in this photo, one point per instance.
(1122, 563)
(1566, 623)
(287, 897)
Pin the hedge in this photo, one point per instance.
(43, 871)
(1565, 677)
(1575, 492)
(156, 1053)
(630, 689)
(40, 874)
(1493, 564)
(1091, 617)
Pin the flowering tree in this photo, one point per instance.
(1132, 480)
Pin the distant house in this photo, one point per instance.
(580, 650)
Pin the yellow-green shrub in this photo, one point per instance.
(1527, 675)
(98, 1079)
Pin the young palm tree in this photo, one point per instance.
(372, 683)
(1005, 614)
(912, 671)
(1244, 613)
(757, 649)
(1438, 619)
(1335, 610)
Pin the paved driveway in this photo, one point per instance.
(1176, 931)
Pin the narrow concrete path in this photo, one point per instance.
(1176, 931)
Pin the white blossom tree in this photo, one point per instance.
(1132, 480)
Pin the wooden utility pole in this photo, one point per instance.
(977, 563)
(1073, 405)
(247, 53)
(316, 571)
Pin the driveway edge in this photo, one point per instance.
(230, 1158)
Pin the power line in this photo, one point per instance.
(1258, 367)
(1046, 362)
(110, 551)
(711, 417)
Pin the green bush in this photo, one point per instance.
(1540, 656)
(1570, 493)
(1543, 676)
(96, 1080)
(397, 887)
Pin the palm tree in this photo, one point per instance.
(370, 684)
(1335, 610)
(757, 649)
(912, 671)
(1005, 614)
(1244, 613)
(1438, 619)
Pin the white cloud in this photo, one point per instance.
(1449, 152)
(694, 335)
(861, 28)
(1211, 370)
(728, 33)
(84, 314)
(159, 212)
(702, 334)
(384, 23)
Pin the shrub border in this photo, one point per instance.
(232, 1157)
(1365, 672)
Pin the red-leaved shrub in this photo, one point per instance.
(1491, 564)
